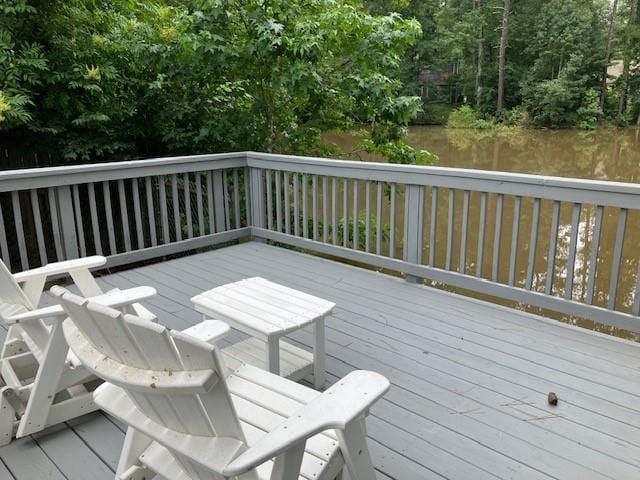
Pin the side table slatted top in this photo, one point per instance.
(269, 311)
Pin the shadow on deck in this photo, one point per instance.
(470, 379)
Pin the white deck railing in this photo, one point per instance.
(537, 240)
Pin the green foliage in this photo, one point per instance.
(385, 230)
(563, 101)
(468, 118)
(147, 78)
(435, 114)
(387, 139)
(22, 64)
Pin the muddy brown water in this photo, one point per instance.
(610, 155)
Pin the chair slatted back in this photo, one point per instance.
(130, 341)
(13, 297)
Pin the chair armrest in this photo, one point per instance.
(347, 400)
(114, 299)
(57, 268)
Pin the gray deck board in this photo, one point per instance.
(469, 379)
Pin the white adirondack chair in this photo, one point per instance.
(188, 421)
(42, 383)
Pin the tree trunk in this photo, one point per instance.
(503, 54)
(607, 55)
(624, 85)
(480, 57)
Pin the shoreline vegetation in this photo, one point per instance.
(82, 81)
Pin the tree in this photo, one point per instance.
(480, 41)
(631, 51)
(607, 56)
(504, 37)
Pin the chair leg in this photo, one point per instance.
(7, 416)
(353, 443)
(45, 384)
(135, 443)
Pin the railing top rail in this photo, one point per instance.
(256, 158)
(606, 193)
(28, 178)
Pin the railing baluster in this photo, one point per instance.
(433, 226)
(482, 226)
(635, 308)
(379, 219)
(277, 173)
(176, 208)
(225, 196)
(199, 204)
(334, 210)
(37, 220)
(163, 209)
(533, 243)
(296, 207)
(287, 206)
(305, 220)
(450, 227)
(553, 247)
(95, 225)
(345, 211)
(221, 215)
(17, 217)
(617, 258)
(151, 214)
(186, 190)
(67, 222)
(462, 268)
(210, 205)
(78, 212)
(573, 243)
(247, 198)
(325, 209)
(236, 199)
(356, 217)
(314, 205)
(497, 238)
(515, 238)
(392, 221)
(593, 258)
(124, 215)
(367, 227)
(3, 241)
(137, 212)
(106, 193)
(269, 201)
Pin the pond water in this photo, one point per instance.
(608, 154)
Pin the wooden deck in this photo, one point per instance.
(470, 379)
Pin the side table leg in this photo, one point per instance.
(318, 355)
(273, 355)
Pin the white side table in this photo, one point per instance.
(268, 311)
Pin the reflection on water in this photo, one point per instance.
(611, 154)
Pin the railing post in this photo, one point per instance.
(413, 227)
(67, 222)
(256, 192)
